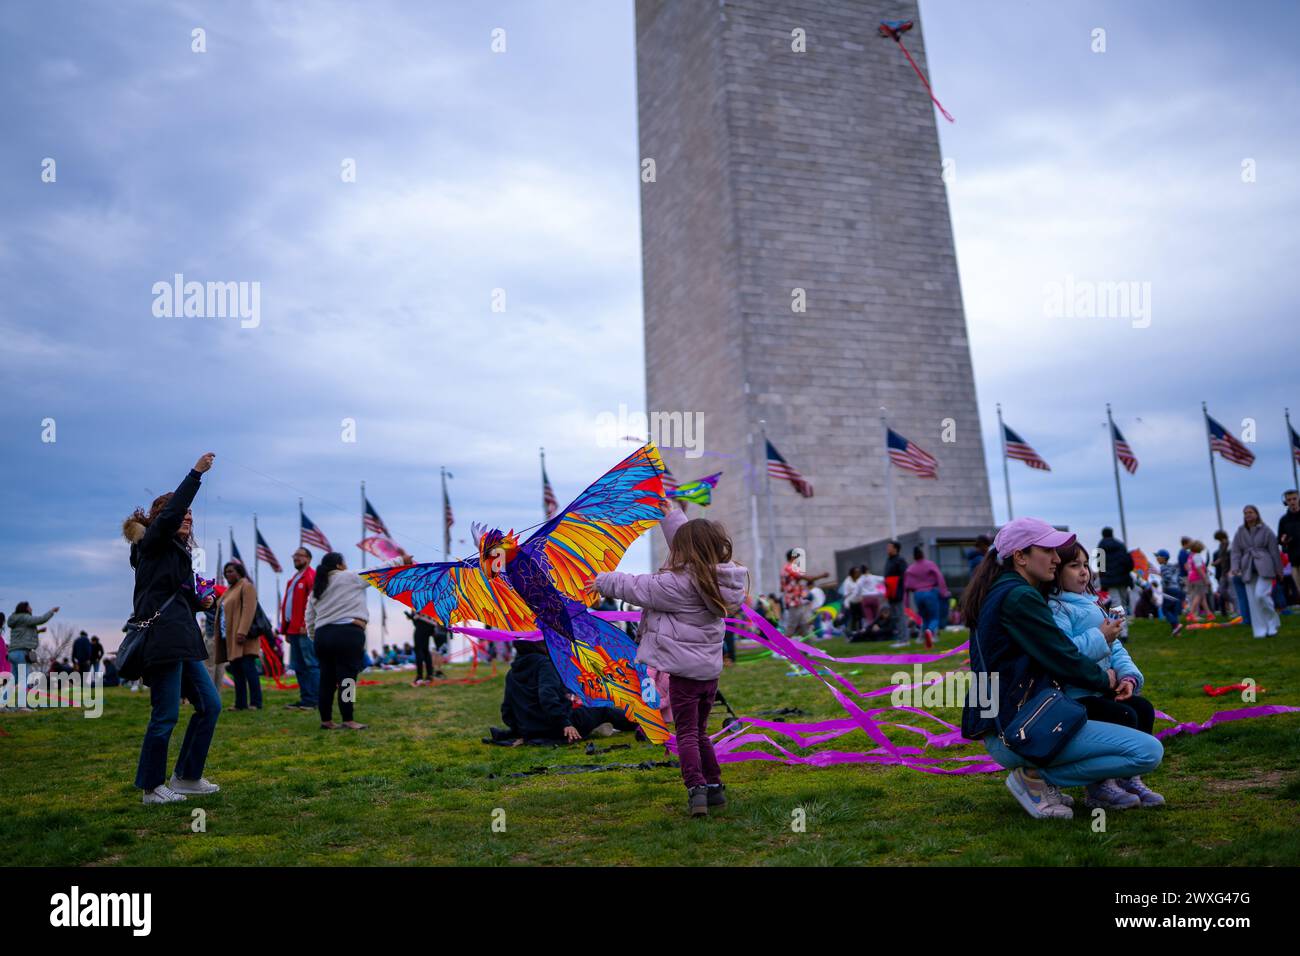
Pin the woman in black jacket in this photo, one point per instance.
(174, 652)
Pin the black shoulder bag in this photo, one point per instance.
(130, 653)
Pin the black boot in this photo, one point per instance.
(717, 796)
(697, 801)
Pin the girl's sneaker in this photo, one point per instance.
(1109, 795)
(929, 638)
(1146, 796)
(717, 796)
(697, 801)
(1039, 798)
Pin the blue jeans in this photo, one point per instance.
(1243, 603)
(1097, 752)
(167, 685)
(248, 684)
(928, 607)
(302, 658)
(18, 661)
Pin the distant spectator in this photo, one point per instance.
(1198, 582)
(1116, 577)
(895, 569)
(24, 638)
(1257, 563)
(81, 653)
(1171, 594)
(96, 653)
(238, 608)
(926, 583)
(796, 611)
(1223, 572)
(976, 554)
(1288, 532)
(1184, 549)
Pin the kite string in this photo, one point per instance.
(935, 99)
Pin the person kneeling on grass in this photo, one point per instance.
(1073, 603)
(536, 705)
(1014, 637)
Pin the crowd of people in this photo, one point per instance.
(1040, 618)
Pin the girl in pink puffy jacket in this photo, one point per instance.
(681, 634)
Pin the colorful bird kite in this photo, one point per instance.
(697, 492)
(894, 30)
(542, 584)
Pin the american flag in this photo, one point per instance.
(778, 467)
(549, 503)
(234, 551)
(1222, 441)
(911, 457)
(1295, 446)
(312, 536)
(448, 518)
(1123, 452)
(1019, 449)
(264, 553)
(669, 482)
(371, 521)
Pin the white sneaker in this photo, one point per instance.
(899, 644)
(161, 794)
(202, 785)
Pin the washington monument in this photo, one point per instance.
(800, 273)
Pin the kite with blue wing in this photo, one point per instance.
(542, 584)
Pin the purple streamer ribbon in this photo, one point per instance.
(727, 743)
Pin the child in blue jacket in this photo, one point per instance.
(1074, 606)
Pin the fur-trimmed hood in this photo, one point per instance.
(133, 529)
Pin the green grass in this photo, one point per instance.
(419, 788)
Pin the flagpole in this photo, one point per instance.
(541, 452)
(300, 544)
(1214, 476)
(1006, 472)
(1291, 450)
(363, 558)
(446, 531)
(771, 526)
(1114, 455)
(256, 563)
(889, 478)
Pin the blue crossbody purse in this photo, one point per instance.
(1043, 725)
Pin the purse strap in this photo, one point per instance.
(143, 625)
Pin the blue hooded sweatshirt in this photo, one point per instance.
(1079, 616)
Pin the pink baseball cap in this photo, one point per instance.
(1021, 533)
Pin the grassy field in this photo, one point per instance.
(418, 787)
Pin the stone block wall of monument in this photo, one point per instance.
(776, 171)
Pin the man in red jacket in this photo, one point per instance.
(293, 614)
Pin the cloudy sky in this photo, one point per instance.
(478, 171)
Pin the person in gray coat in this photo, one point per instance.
(24, 638)
(1257, 561)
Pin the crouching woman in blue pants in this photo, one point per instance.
(1016, 651)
